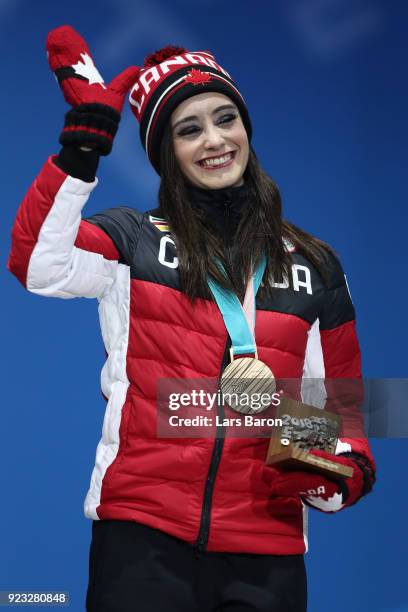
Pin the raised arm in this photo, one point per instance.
(54, 252)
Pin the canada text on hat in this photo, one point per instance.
(168, 77)
(151, 77)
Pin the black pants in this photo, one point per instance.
(134, 568)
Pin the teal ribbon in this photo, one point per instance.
(242, 338)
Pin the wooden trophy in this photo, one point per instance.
(304, 428)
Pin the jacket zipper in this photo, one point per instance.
(205, 522)
(202, 539)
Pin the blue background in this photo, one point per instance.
(326, 85)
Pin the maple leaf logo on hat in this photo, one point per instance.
(196, 77)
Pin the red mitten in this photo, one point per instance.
(95, 116)
(320, 492)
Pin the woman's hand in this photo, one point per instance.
(316, 489)
(307, 485)
(94, 118)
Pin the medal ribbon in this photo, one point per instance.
(239, 319)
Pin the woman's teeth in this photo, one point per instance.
(216, 161)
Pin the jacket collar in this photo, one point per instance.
(223, 207)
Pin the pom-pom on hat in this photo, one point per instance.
(170, 76)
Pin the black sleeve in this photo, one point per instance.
(337, 306)
(79, 164)
(123, 225)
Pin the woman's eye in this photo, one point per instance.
(192, 129)
(227, 118)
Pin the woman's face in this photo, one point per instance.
(210, 141)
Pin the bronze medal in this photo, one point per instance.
(247, 384)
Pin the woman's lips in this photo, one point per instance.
(229, 161)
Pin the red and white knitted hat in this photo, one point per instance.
(170, 76)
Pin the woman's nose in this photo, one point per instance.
(213, 137)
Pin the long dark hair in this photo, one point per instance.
(261, 230)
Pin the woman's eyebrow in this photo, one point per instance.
(216, 110)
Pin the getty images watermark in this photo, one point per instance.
(252, 403)
(186, 409)
(196, 407)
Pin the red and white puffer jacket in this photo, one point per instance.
(212, 491)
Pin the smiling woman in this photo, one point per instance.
(212, 279)
(210, 141)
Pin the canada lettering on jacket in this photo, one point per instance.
(301, 276)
